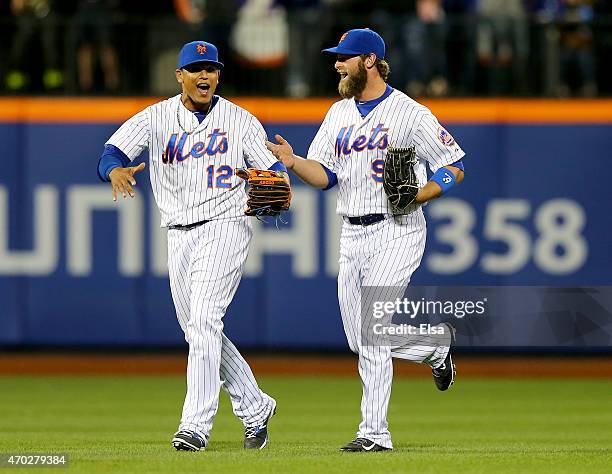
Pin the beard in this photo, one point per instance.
(353, 85)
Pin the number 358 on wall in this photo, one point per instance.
(558, 248)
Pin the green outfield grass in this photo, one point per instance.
(124, 424)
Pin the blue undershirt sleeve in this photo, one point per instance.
(278, 166)
(331, 177)
(458, 164)
(112, 157)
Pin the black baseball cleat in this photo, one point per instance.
(256, 437)
(363, 445)
(186, 440)
(444, 376)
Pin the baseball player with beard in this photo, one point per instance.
(382, 240)
(196, 141)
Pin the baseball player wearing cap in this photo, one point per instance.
(377, 249)
(196, 140)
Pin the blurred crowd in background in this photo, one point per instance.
(436, 48)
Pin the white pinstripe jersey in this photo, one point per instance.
(191, 164)
(354, 148)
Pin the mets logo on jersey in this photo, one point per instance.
(445, 137)
(217, 143)
(345, 144)
(201, 48)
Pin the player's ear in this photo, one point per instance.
(179, 76)
(370, 61)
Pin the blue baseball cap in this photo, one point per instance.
(359, 41)
(198, 52)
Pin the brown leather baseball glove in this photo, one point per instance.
(268, 193)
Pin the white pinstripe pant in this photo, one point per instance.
(205, 266)
(384, 254)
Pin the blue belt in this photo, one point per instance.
(366, 220)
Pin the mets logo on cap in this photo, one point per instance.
(201, 47)
(342, 37)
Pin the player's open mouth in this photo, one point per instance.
(203, 88)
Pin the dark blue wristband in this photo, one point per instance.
(445, 179)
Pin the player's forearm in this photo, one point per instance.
(432, 190)
(311, 172)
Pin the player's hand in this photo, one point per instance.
(283, 151)
(122, 180)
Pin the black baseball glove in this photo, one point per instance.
(399, 179)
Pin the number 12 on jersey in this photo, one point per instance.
(220, 177)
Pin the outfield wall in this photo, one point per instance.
(77, 270)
